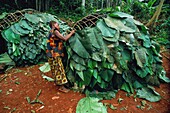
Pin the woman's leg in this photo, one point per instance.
(58, 73)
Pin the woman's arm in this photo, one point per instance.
(65, 38)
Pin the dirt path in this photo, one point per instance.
(25, 83)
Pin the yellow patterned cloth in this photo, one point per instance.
(57, 70)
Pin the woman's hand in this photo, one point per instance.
(73, 31)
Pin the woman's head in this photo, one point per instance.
(54, 24)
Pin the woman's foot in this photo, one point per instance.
(63, 89)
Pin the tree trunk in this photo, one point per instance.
(156, 14)
(102, 4)
(83, 3)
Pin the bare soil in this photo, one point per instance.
(22, 83)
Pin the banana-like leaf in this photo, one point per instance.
(80, 73)
(117, 24)
(90, 105)
(19, 29)
(78, 59)
(77, 66)
(114, 38)
(45, 68)
(24, 24)
(143, 72)
(107, 75)
(163, 77)
(149, 94)
(10, 36)
(33, 18)
(146, 40)
(104, 49)
(106, 31)
(97, 76)
(120, 15)
(137, 85)
(4, 58)
(129, 23)
(92, 36)
(78, 47)
(92, 64)
(16, 51)
(96, 56)
(126, 87)
(141, 57)
(87, 77)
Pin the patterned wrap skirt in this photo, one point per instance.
(57, 70)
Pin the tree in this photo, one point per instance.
(83, 3)
(156, 14)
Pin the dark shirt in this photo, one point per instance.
(54, 45)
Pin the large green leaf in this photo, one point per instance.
(163, 77)
(107, 75)
(146, 40)
(137, 22)
(4, 58)
(141, 57)
(149, 94)
(6, 61)
(77, 66)
(92, 64)
(96, 76)
(117, 24)
(143, 72)
(114, 38)
(45, 68)
(78, 59)
(137, 85)
(96, 56)
(80, 73)
(92, 37)
(16, 51)
(129, 23)
(25, 25)
(20, 29)
(45, 17)
(86, 41)
(10, 36)
(104, 49)
(90, 105)
(106, 31)
(87, 76)
(126, 87)
(120, 15)
(78, 47)
(33, 18)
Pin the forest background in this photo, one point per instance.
(153, 13)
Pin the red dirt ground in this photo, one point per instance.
(20, 83)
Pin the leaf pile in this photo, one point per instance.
(27, 38)
(117, 53)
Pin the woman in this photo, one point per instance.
(55, 54)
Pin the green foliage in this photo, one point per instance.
(90, 105)
(161, 33)
(27, 38)
(117, 53)
(149, 94)
(6, 62)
